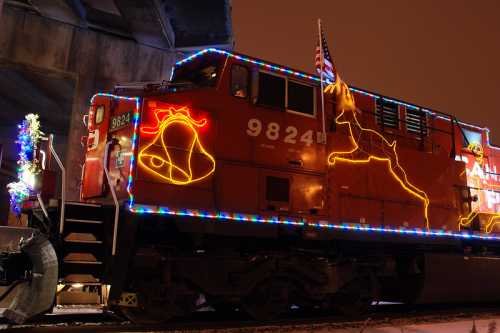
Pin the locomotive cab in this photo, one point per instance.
(275, 153)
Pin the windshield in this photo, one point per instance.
(202, 72)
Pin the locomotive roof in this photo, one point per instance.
(316, 79)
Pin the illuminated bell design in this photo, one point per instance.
(176, 154)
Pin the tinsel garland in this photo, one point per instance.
(28, 138)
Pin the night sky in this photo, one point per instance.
(444, 55)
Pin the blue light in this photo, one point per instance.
(317, 79)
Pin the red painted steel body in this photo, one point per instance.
(288, 146)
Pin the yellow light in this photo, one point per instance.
(345, 102)
(491, 222)
(477, 150)
(165, 168)
(465, 221)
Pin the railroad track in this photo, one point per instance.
(388, 315)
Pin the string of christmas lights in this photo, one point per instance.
(228, 216)
(317, 79)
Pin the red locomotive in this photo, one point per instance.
(229, 182)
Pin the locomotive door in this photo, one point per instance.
(93, 171)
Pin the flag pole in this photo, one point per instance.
(323, 139)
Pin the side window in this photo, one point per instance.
(300, 98)
(99, 114)
(387, 114)
(471, 137)
(272, 90)
(239, 81)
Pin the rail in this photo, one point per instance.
(113, 193)
(63, 182)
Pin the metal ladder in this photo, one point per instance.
(84, 247)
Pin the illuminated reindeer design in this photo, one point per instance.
(383, 150)
(176, 154)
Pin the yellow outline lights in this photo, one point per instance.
(163, 165)
(345, 102)
(466, 221)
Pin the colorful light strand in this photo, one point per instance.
(163, 165)
(141, 209)
(291, 72)
(275, 220)
(28, 166)
(226, 216)
(145, 209)
(317, 79)
(346, 103)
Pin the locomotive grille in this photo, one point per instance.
(416, 122)
(387, 114)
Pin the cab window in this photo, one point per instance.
(239, 81)
(285, 94)
(201, 72)
(300, 98)
(272, 90)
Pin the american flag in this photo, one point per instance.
(329, 70)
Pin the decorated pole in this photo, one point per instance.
(28, 166)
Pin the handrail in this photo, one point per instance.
(113, 193)
(38, 196)
(63, 181)
(42, 205)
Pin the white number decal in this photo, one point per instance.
(291, 134)
(273, 131)
(320, 137)
(254, 127)
(307, 138)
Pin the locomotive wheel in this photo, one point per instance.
(355, 297)
(269, 299)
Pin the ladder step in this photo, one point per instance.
(84, 262)
(83, 241)
(79, 278)
(85, 238)
(84, 221)
(76, 203)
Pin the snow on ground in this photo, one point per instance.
(486, 325)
